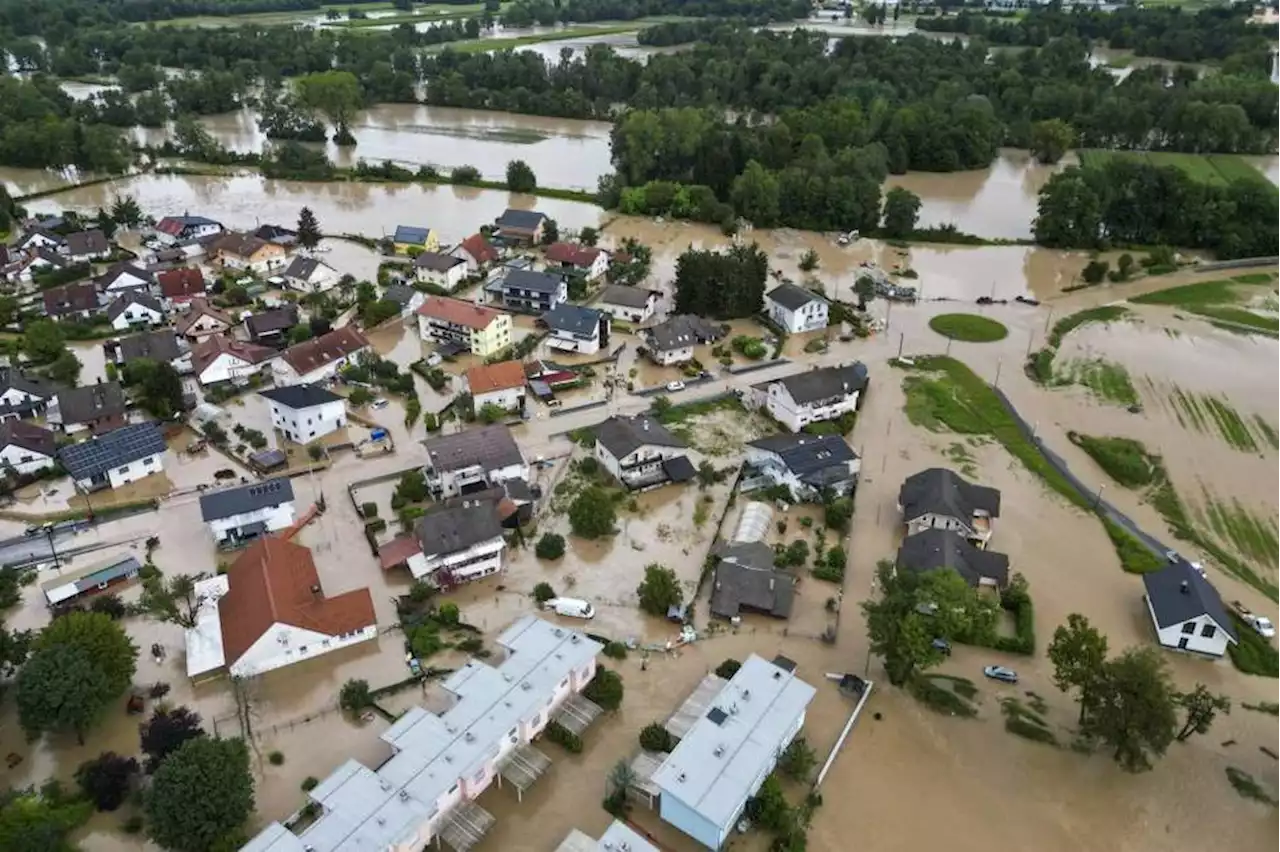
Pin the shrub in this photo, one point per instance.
(550, 546)
(276, 758)
(1252, 654)
(615, 650)
(728, 668)
(377, 525)
(448, 614)
(563, 737)
(421, 591)
(797, 760)
(543, 592)
(1123, 459)
(654, 737)
(369, 510)
(605, 689)
(310, 783)
(837, 513)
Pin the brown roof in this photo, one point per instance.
(201, 307)
(28, 436)
(241, 245)
(478, 247)
(70, 298)
(458, 312)
(495, 377)
(179, 283)
(397, 551)
(573, 254)
(325, 349)
(207, 351)
(275, 581)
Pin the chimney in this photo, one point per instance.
(1186, 587)
(315, 589)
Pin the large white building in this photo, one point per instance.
(640, 452)
(576, 329)
(500, 384)
(305, 412)
(796, 309)
(239, 515)
(629, 304)
(1186, 611)
(473, 459)
(822, 393)
(426, 792)
(218, 359)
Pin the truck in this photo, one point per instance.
(570, 607)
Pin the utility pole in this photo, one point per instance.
(999, 364)
(901, 336)
(1097, 498)
(53, 549)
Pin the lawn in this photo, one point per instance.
(1219, 301)
(1108, 381)
(1123, 459)
(426, 15)
(484, 45)
(969, 328)
(1217, 169)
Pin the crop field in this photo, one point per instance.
(1218, 169)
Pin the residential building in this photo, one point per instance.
(23, 396)
(525, 290)
(78, 301)
(442, 763)
(240, 251)
(178, 287)
(117, 458)
(271, 328)
(811, 467)
(796, 309)
(177, 229)
(84, 246)
(618, 837)
(38, 237)
(640, 452)
(934, 549)
(443, 270)
(124, 278)
(588, 261)
(269, 611)
(725, 756)
(276, 234)
(162, 345)
(745, 580)
(410, 237)
(577, 329)
(815, 395)
(672, 342)
(305, 412)
(310, 275)
(408, 298)
(458, 544)
(463, 326)
(1187, 612)
(319, 359)
(521, 226)
(72, 587)
(237, 516)
(938, 498)
(629, 304)
(477, 252)
(15, 265)
(99, 408)
(133, 309)
(25, 447)
(500, 384)
(220, 359)
(472, 460)
(203, 320)
(45, 259)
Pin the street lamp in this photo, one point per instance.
(1097, 498)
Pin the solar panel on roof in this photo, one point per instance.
(715, 714)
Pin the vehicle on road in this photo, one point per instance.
(1173, 556)
(1001, 673)
(571, 607)
(1260, 623)
(675, 386)
(942, 645)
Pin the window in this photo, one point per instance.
(1189, 628)
(453, 789)
(149, 460)
(1208, 631)
(122, 470)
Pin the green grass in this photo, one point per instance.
(941, 694)
(1108, 381)
(1219, 301)
(1039, 367)
(1267, 430)
(1026, 722)
(1245, 785)
(959, 455)
(1271, 708)
(1214, 169)
(1211, 414)
(969, 328)
(1123, 459)
(1252, 654)
(444, 14)
(1251, 537)
(485, 45)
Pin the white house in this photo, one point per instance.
(269, 611)
(177, 229)
(821, 393)
(938, 498)
(479, 457)
(133, 309)
(796, 309)
(26, 448)
(319, 359)
(588, 261)
(124, 277)
(40, 238)
(458, 544)
(477, 252)
(809, 466)
(310, 275)
(237, 516)
(443, 270)
(223, 359)
(305, 412)
(629, 304)
(1186, 611)
(576, 329)
(116, 458)
(501, 384)
(203, 320)
(640, 453)
(673, 341)
(22, 395)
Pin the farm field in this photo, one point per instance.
(1217, 169)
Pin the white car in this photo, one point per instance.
(380, 403)
(675, 386)
(1263, 626)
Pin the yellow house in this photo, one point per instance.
(241, 251)
(409, 237)
(483, 331)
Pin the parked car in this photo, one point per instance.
(380, 403)
(942, 645)
(1173, 556)
(1001, 673)
(1260, 623)
(675, 386)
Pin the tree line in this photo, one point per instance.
(58, 16)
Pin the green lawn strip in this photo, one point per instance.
(1025, 722)
(941, 693)
(1251, 653)
(1247, 787)
(1271, 708)
(1123, 459)
(1039, 366)
(970, 328)
(1233, 168)
(1187, 404)
(1247, 319)
(454, 13)
(1230, 424)
(1254, 278)
(484, 45)
(1108, 381)
(1203, 293)
(1213, 169)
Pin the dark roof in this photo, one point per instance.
(269, 322)
(573, 319)
(745, 580)
(518, 489)
(683, 330)
(240, 245)
(492, 447)
(526, 279)
(118, 447)
(932, 549)
(133, 297)
(245, 499)
(70, 298)
(804, 454)
(109, 277)
(436, 262)
(1177, 593)
(943, 492)
(159, 345)
(401, 294)
(11, 377)
(411, 234)
(520, 220)
(28, 436)
(451, 529)
(43, 231)
(275, 234)
(91, 402)
(628, 297)
(622, 436)
(175, 225)
(186, 281)
(87, 242)
(52, 257)
(679, 469)
(303, 268)
(329, 347)
(792, 297)
(300, 396)
(822, 383)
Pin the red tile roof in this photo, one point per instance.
(478, 247)
(199, 308)
(458, 312)
(207, 351)
(181, 283)
(325, 349)
(170, 225)
(573, 254)
(495, 377)
(398, 550)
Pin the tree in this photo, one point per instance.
(172, 599)
(1202, 707)
(201, 796)
(65, 369)
(59, 689)
(543, 592)
(106, 779)
(110, 605)
(721, 285)
(605, 689)
(1050, 139)
(837, 512)
(549, 546)
(550, 232)
(158, 385)
(520, 178)
(809, 261)
(655, 737)
(797, 760)
(592, 514)
(1095, 271)
(660, 590)
(36, 822)
(728, 668)
(168, 729)
(1132, 708)
(334, 94)
(901, 207)
(103, 222)
(589, 236)
(126, 211)
(865, 289)
(491, 413)
(354, 696)
(42, 341)
(755, 195)
(308, 229)
(1078, 653)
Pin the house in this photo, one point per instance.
(472, 460)
(588, 261)
(122, 278)
(22, 395)
(521, 226)
(178, 287)
(309, 275)
(77, 301)
(117, 458)
(71, 587)
(821, 393)
(409, 237)
(725, 756)
(135, 308)
(278, 235)
(203, 320)
(220, 359)
(672, 342)
(458, 544)
(442, 763)
(269, 611)
(240, 251)
(483, 332)
(500, 384)
(305, 412)
(237, 516)
(443, 270)
(1186, 611)
(159, 345)
(476, 252)
(15, 265)
(938, 498)
(640, 453)
(85, 246)
(796, 309)
(319, 359)
(177, 229)
(811, 467)
(45, 259)
(618, 836)
(629, 304)
(26, 447)
(932, 549)
(99, 408)
(525, 290)
(405, 296)
(271, 328)
(577, 329)
(38, 237)
(745, 580)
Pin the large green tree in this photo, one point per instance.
(1051, 139)
(901, 208)
(309, 235)
(201, 796)
(1078, 653)
(721, 285)
(1202, 707)
(520, 177)
(33, 822)
(334, 94)
(592, 514)
(660, 590)
(157, 385)
(1132, 708)
(171, 598)
(43, 341)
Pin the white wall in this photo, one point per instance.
(284, 644)
(136, 470)
(13, 396)
(447, 279)
(479, 560)
(1196, 641)
(568, 343)
(508, 399)
(778, 402)
(284, 374)
(226, 368)
(628, 314)
(451, 482)
(809, 317)
(648, 456)
(275, 517)
(205, 326)
(23, 460)
(136, 315)
(303, 425)
(671, 356)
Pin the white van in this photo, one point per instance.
(571, 607)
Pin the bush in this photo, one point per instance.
(369, 510)
(615, 650)
(831, 566)
(1123, 459)
(448, 614)
(797, 760)
(969, 328)
(837, 513)
(1252, 654)
(276, 758)
(654, 737)
(728, 668)
(420, 591)
(550, 546)
(592, 514)
(605, 689)
(471, 645)
(109, 605)
(564, 737)
(310, 783)
(543, 592)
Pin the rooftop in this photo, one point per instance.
(573, 319)
(934, 548)
(240, 245)
(272, 321)
(436, 262)
(573, 254)
(745, 579)
(520, 220)
(622, 436)
(129, 298)
(302, 268)
(28, 436)
(527, 279)
(479, 249)
(70, 298)
(116, 448)
(491, 447)
(200, 307)
(204, 353)
(181, 283)
(1177, 593)
(300, 396)
(681, 331)
(628, 297)
(68, 584)
(216, 505)
(792, 297)
(938, 490)
(803, 453)
(822, 383)
(488, 378)
(411, 235)
(451, 529)
(329, 347)
(458, 312)
(91, 402)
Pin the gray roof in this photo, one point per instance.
(492, 447)
(300, 396)
(401, 294)
(303, 268)
(525, 279)
(1178, 593)
(116, 448)
(133, 297)
(573, 319)
(679, 469)
(822, 383)
(627, 296)
(943, 492)
(87, 242)
(622, 436)
(245, 499)
(159, 345)
(683, 330)
(122, 268)
(738, 585)
(455, 528)
(269, 322)
(804, 454)
(91, 402)
(92, 576)
(932, 549)
(436, 262)
(521, 220)
(11, 377)
(792, 297)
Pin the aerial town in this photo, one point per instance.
(616, 428)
